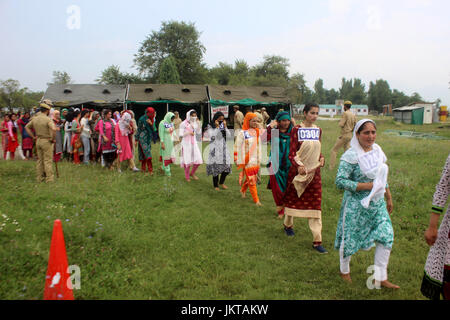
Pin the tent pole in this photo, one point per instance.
(167, 107)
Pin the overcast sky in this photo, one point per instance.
(406, 42)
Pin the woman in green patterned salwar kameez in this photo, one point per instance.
(364, 220)
(165, 130)
(146, 133)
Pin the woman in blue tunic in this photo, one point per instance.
(364, 220)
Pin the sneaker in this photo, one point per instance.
(136, 169)
(320, 249)
(289, 232)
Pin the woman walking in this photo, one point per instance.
(77, 144)
(12, 136)
(303, 195)
(85, 135)
(27, 141)
(279, 167)
(247, 156)
(165, 131)
(5, 134)
(107, 139)
(191, 157)
(364, 220)
(219, 161)
(122, 131)
(146, 133)
(436, 280)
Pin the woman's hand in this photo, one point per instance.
(273, 124)
(432, 231)
(431, 235)
(389, 205)
(364, 186)
(163, 146)
(216, 123)
(322, 162)
(105, 138)
(301, 170)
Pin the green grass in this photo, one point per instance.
(140, 237)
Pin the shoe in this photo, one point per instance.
(289, 232)
(320, 249)
(136, 169)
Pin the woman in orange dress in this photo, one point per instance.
(247, 155)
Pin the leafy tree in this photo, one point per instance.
(179, 40)
(399, 99)
(346, 89)
(379, 95)
(12, 96)
(113, 75)
(415, 98)
(320, 94)
(275, 67)
(358, 93)
(60, 77)
(331, 96)
(169, 72)
(222, 73)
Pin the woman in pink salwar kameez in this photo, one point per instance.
(122, 131)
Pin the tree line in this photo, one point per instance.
(175, 55)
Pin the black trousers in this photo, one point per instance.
(109, 158)
(216, 181)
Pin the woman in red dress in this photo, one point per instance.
(303, 196)
(12, 136)
(4, 129)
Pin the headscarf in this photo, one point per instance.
(216, 116)
(62, 113)
(54, 113)
(116, 116)
(249, 116)
(165, 123)
(246, 126)
(372, 164)
(124, 123)
(188, 123)
(151, 114)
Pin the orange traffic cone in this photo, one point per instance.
(56, 284)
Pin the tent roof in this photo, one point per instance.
(183, 93)
(259, 94)
(66, 95)
(407, 108)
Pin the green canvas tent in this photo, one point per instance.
(272, 98)
(167, 97)
(92, 96)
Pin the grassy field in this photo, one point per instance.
(140, 237)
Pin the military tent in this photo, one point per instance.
(272, 98)
(92, 96)
(167, 97)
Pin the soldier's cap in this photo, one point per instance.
(46, 104)
(348, 102)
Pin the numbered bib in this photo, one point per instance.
(369, 160)
(308, 134)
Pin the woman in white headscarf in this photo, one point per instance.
(364, 220)
(122, 132)
(191, 156)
